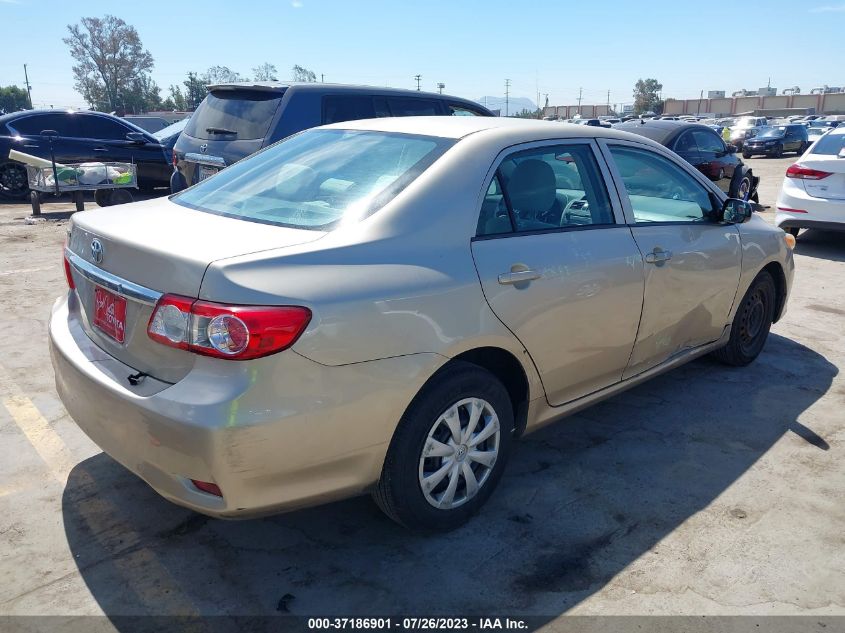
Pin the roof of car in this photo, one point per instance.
(323, 87)
(660, 130)
(457, 127)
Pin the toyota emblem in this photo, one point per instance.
(96, 251)
(204, 148)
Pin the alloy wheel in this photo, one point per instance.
(459, 453)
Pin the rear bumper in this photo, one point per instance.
(796, 208)
(274, 434)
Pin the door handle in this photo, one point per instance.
(518, 276)
(658, 256)
(101, 149)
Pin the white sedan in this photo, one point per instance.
(813, 191)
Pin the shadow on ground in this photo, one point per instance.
(828, 245)
(579, 502)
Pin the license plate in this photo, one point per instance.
(205, 171)
(110, 313)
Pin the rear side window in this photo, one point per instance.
(317, 179)
(63, 123)
(546, 188)
(405, 106)
(234, 115)
(830, 145)
(338, 109)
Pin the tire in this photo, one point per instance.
(778, 152)
(801, 149)
(120, 196)
(746, 155)
(35, 200)
(14, 184)
(400, 492)
(751, 325)
(742, 188)
(102, 197)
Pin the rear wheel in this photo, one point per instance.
(801, 148)
(746, 155)
(743, 188)
(449, 450)
(778, 151)
(751, 325)
(120, 196)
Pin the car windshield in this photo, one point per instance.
(318, 178)
(832, 144)
(234, 115)
(772, 132)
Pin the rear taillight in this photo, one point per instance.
(224, 331)
(805, 173)
(68, 272)
(174, 160)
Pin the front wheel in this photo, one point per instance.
(751, 324)
(449, 450)
(746, 155)
(778, 151)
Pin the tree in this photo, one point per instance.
(221, 75)
(110, 60)
(13, 99)
(647, 96)
(265, 72)
(195, 91)
(176, 100)
(303, 74)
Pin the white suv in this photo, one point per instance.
(813, 191)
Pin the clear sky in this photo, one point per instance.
(554, 46)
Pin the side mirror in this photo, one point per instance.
(732, 149)
(136, 137)
(736, 211)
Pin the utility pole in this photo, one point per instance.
(580, 92)
(507, 95)
(700, 97)
(322, 78)
(608, 102)
(440, 87)
(28, 90)
(417, 78)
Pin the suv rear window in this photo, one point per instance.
(234, 115)
(317, 179)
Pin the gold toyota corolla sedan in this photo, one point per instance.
(384, 306)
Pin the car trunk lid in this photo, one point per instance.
(831, 187)
(148, 249)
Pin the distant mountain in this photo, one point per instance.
(515, 104)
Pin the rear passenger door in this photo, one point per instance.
(692, 261)
(558, 266)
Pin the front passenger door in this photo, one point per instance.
(692, 261)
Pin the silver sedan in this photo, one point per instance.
(384, 306)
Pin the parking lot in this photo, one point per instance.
(708, 490)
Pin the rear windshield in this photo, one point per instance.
(234, 115)
(829, 145)
(317, 179)
(772, 132)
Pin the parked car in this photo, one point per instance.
(746, 127)
(168, 136)
(83, 137)
(813, 190)
(427, 328)
(149, 124)
(775, 140)
(814, 133)
(701, 146)
(237, 119)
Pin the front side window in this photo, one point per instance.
(659, 190)
(98, 127)
(546, 188)
(317, 179)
